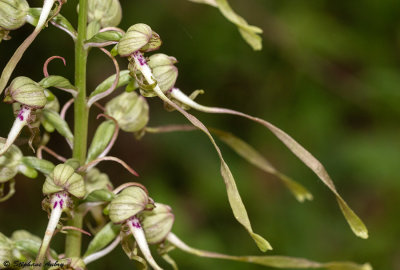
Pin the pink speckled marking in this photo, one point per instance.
(135, 223)
(20, 115)
(140, 58)
(55, 205)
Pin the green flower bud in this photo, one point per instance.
(13, 13)
(96, 180)
(64, 178)
(106, 12)
(9, 162)
(138, 37)
(73, 162)
(6, 247)
(42, 165)
(128, 203)
(164, 70)
(130, 110)
(157, 224)
(26, 92)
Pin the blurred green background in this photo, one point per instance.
(329, 75)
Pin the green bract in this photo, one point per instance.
(13, 13)
(128, 203)
(138, 37)
(26, 92)
(130, 110)
(63, 178)
(9, 162)
(106, 12)
(157, 224)
(164, 70)
(101, 139)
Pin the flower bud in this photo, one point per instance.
(164, 70)
(157, 224)
(26, 92)
(9, 161)
(128, 203)
(13, 13)
(130, 110)
(63, 178)
(138, 37)
(96, 180)
(106, 12)
(73, 162)
(42, 165)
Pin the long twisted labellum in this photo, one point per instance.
(238, 208)
(306, 157)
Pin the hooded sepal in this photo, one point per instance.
(64, 178)
(164, 70)
(13, 13)
(157, 224)
(138, 37)
(26, 92)
(128, 203)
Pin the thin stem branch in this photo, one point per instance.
(46, 63)
(51, 152)
(97, 160)
(65, 108)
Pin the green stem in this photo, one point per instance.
(73, 241)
